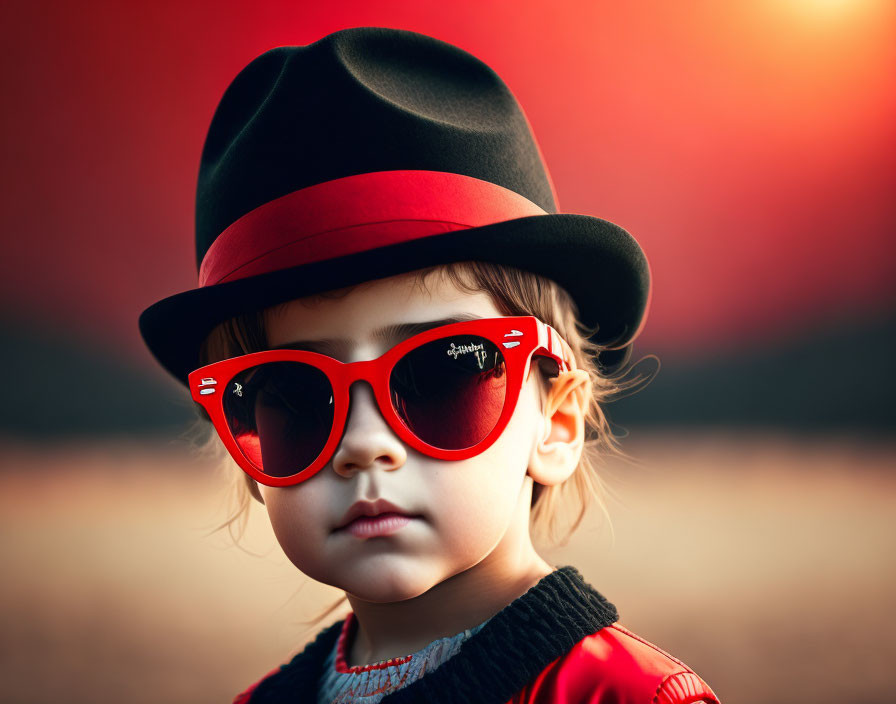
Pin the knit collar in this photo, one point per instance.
(514, 646)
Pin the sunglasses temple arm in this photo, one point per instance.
(550, 341)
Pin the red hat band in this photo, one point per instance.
(354, 214)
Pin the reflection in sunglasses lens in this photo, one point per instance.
(281, 414)
(450, 392)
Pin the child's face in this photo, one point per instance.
(471, 510)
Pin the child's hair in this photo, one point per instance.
(514, 292)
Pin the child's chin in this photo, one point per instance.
(388, 582)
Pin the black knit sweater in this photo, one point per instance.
(497, 662)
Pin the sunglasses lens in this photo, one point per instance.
(280, 414)
(450, 392)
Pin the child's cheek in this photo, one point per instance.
(483, 499)
(302, 520)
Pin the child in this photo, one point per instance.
(373, 207)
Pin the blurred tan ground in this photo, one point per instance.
(765, 563)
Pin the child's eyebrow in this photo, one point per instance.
(389, 333)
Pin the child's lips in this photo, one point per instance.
(377, 526)
(371, 509)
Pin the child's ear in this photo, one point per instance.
(558, 449)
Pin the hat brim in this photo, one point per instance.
(601, 265)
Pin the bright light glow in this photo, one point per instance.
(829, 5)
(831, 10)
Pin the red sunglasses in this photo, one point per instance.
(448, 392)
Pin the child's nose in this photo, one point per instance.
(367, 440)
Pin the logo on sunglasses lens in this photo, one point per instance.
(478, 350)
(455, 351)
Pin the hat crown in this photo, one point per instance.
(361, 100)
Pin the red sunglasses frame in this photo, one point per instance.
(518, 337)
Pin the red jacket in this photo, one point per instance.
(560, 643)
(615, 665)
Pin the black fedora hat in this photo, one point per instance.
(373, 152)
